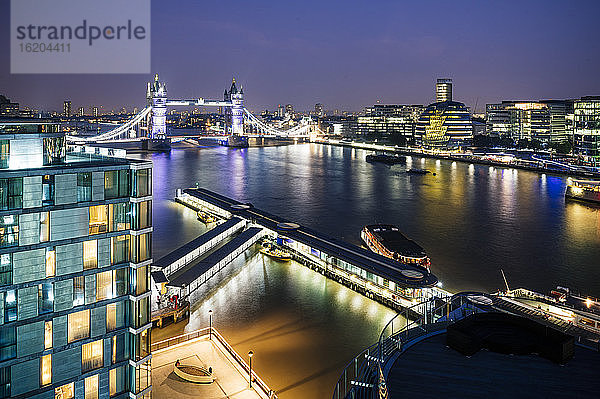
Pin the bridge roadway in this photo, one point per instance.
(379, 272)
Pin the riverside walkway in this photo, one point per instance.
(199, 348)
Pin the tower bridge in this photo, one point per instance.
(150, 124)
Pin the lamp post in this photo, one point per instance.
(250, 354)
(210, 325)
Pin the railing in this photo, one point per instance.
(212, 332)
(361, 377)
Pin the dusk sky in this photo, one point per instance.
(345, 54)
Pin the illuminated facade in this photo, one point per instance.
(545, 121)
(75, 255)
(156, 94)
(586, 128)
(390, 121)
(237, 109)
(443, 90)
(444, 124)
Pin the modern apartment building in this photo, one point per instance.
(75, 254)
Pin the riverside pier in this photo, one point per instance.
(396, 285)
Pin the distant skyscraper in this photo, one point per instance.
(280, 111)
(95, 111)
(67, 108)
(289, 109)
(80, 111)
(443, 90)
(319, 109)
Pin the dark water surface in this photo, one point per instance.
(472, 220)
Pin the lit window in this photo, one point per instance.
(66, 391)
(118, 380)
(45, 298)
(5, 269)
(44, 226)
(91, 356)
(98, 219)
(78, 290)
(111, 316)
(78, 325)
(48, 334)
(50, 262)
(46, 370)
(9, 230)
(91, 387)
(104, 283)
(90, 254)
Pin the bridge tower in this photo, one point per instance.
(156, 95)
(237, 109)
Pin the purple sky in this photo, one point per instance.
(345, 54)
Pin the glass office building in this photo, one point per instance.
(444, 124)
(586, 129)
(75, 254)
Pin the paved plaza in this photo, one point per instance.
(231, 382)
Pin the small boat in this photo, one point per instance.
(275, 253)
(387, 159)
(206, 217)
(584, 190)
(417, 171)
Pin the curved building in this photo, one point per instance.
(444, 124)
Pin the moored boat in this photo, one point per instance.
(275, 253)
(206, 217)
(585, 190)
(417, 171)
(388, 240)
(387, 159)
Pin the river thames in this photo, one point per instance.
(472, 220)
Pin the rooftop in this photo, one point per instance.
(430, 369)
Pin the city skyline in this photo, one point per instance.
(294, 54)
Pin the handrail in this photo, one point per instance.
(207, 331)
(364, 370)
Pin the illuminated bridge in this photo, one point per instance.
(150, 122)
(389, 282)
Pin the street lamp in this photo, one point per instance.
(250, 354)
(210, 324)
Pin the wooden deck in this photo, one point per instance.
(432, 370)
(170, 312)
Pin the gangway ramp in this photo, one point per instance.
(184, 255)
(190, 279)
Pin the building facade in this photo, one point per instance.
(586, 128)
(545, 120)
(75, 255)
(390, 121)
(443, 90)
(444, 124)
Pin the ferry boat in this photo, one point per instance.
(585, 190)
(275, 253)
(388, 240)
(206, 217)
(387, 159)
